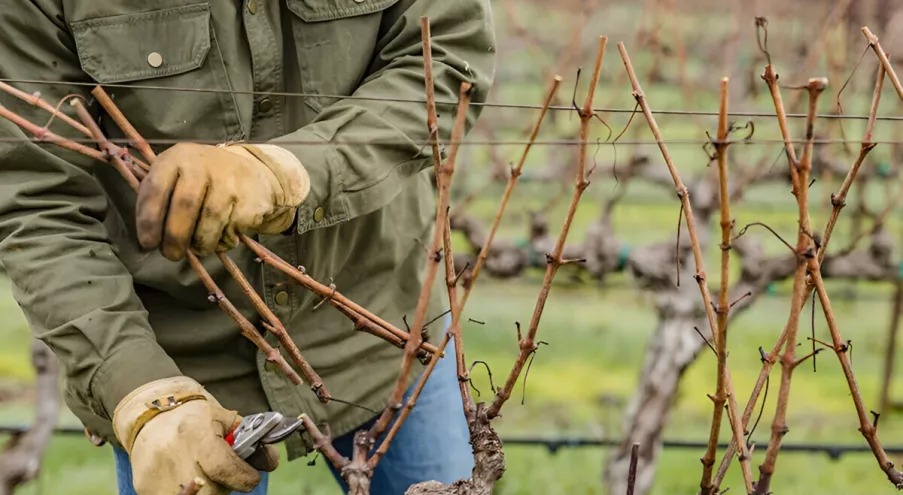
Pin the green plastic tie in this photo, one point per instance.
(624, 256)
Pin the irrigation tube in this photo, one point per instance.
(553, 445)
(834, 451)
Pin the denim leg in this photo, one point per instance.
(124, 475)
(433, 443)
(123, 472)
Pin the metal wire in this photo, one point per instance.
(451, 104)
(475, 142)
(553, 445)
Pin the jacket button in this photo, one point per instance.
(281, 298)
(319, 213)
(154, 59)
(252, 7)
(265, 105)
(359, 1)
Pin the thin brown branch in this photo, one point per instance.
(122, 161)
(771, 79)
(804, 250)
(458, 309)
(368, 321)
(527, 344)
(882, 57)
(451, 278)
(803, 359)
(36, 100)
(44, 135)
(275, 326)
(443, 178)
(516, 172)
(726, 225)
(323, 443)
(866, 427)
(137, 141)
(108, 148)
(140, 168)
(839, 199)
(247, 328)
(722, 396)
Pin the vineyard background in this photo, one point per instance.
(598, 330)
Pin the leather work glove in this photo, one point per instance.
(199, 196)
(174, 432)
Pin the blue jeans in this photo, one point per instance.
(433, 443)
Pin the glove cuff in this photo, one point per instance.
(149, 400)
(290, 173)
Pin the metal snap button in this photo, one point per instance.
(252, 7)
(265, 105)
(154, 59)
(319, 213)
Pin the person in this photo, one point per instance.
(301, 122)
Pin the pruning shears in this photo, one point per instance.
(261, 429)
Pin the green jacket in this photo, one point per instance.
(118, 317)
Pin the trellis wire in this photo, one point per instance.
(449, 104)
(503, 142)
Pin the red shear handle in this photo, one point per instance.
(230, 437)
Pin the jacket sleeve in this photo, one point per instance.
(76, 294)
(350, 179)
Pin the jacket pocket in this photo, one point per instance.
(157, 61)
(335, 43)
(144, 45)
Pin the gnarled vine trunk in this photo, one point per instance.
(21, 458)
(672, 347)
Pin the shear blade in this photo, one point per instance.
(282, 430)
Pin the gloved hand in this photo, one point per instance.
(174, 432)
(199, 196)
